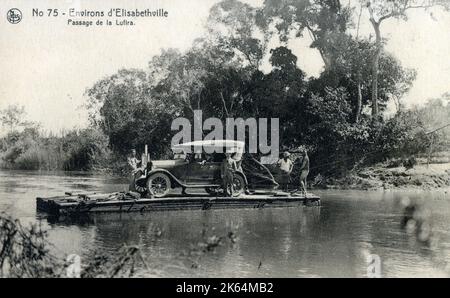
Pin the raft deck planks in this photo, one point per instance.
(73, 204)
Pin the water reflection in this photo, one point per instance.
(330, 241)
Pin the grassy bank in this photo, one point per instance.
(30, 149)
(435, 175)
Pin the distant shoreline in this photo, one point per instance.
(379, 177)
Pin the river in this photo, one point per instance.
(338, 239)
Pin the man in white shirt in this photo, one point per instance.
(133, 161)
(285, 164)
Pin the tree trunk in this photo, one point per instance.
(375, 66)
(430, 151)
(359, 102)
(326, 61)
(325, 57)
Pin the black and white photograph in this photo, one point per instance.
(224, 139)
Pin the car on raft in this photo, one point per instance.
(197, 165)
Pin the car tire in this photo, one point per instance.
(159, 185)
(238, 185)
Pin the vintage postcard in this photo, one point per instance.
(224, 139)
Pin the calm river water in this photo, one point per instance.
(329, 241)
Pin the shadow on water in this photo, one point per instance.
(330, 241)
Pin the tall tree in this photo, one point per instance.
(130, 112)
(350, 71)
(381, 10)
(13, 117)
(325, 20)
(233, 26)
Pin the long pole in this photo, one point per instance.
(438, 129)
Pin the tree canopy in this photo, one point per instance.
(222, 75)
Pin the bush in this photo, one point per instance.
(86, 150)
(78, 150)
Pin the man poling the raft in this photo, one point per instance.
(228, 169)
(303, 162)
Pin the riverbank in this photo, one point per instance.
(381, 176)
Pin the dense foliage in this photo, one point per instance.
(221, 74)
(77, 150)
(243, 67)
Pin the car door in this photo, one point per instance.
(181, 170)
(199, 173)
(203, 171)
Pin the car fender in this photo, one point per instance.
(171, 176)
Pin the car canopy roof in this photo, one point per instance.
(211, 146)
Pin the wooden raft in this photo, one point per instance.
(130, 202)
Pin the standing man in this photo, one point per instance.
(238, 160)
(227, 170)
(136, 172)
(133, 161)
(285, 164)
(304, 169)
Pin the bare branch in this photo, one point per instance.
(224, 103)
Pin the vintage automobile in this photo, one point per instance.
(199, 170)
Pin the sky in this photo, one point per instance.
(46, 65)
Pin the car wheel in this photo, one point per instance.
(238, 185)
(159, 185)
